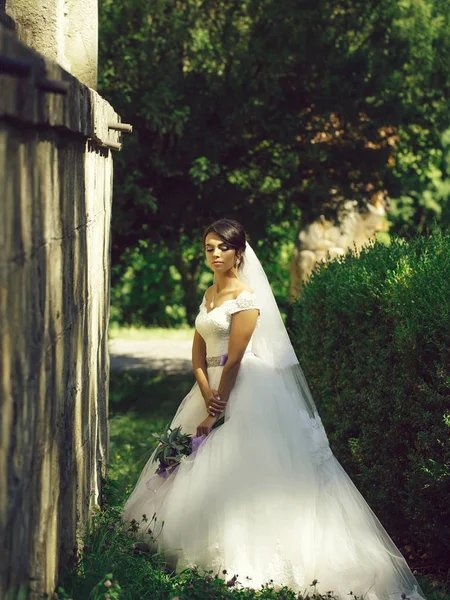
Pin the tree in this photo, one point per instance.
(261, 110)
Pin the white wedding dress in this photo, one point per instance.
(264, 497)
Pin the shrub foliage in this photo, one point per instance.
(372, 333)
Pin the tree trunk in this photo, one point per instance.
(189, 274)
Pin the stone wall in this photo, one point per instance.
(55, 204)
(65, 31)
(324, 240)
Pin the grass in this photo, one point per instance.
(116, 332)
(111, 566)
(141, 403)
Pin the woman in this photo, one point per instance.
(263, 496)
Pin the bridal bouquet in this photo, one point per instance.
(174, 447)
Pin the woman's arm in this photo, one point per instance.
(243, 324)
(211, 397)
(199, 363)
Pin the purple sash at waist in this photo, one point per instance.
(219, 361)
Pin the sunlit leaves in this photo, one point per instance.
(239, 106)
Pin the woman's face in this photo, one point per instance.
(220, 256)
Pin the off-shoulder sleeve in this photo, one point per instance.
(245, 301)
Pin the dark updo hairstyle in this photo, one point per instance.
(231, 232)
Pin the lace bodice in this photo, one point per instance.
(215, 326)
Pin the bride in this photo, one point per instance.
(263, 496)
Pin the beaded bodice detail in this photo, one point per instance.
(215, 326)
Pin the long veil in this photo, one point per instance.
(271, 343)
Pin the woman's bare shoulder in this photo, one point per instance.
(243, 288)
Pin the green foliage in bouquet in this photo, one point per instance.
(372, 334)
(174, 445)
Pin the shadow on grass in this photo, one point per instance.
(140, 403)
(148, 392)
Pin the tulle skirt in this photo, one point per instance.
(263, 500)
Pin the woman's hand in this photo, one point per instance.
(214, 404)
(205, 426)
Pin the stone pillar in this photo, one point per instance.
(40, 25)
(65, 31)
(55, 209)
(81, 41)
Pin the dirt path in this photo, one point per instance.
(171, 356)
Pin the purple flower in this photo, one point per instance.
(197, 441)
(164, 470)
(164, 473)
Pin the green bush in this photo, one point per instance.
(149, 290)
(372, 333)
